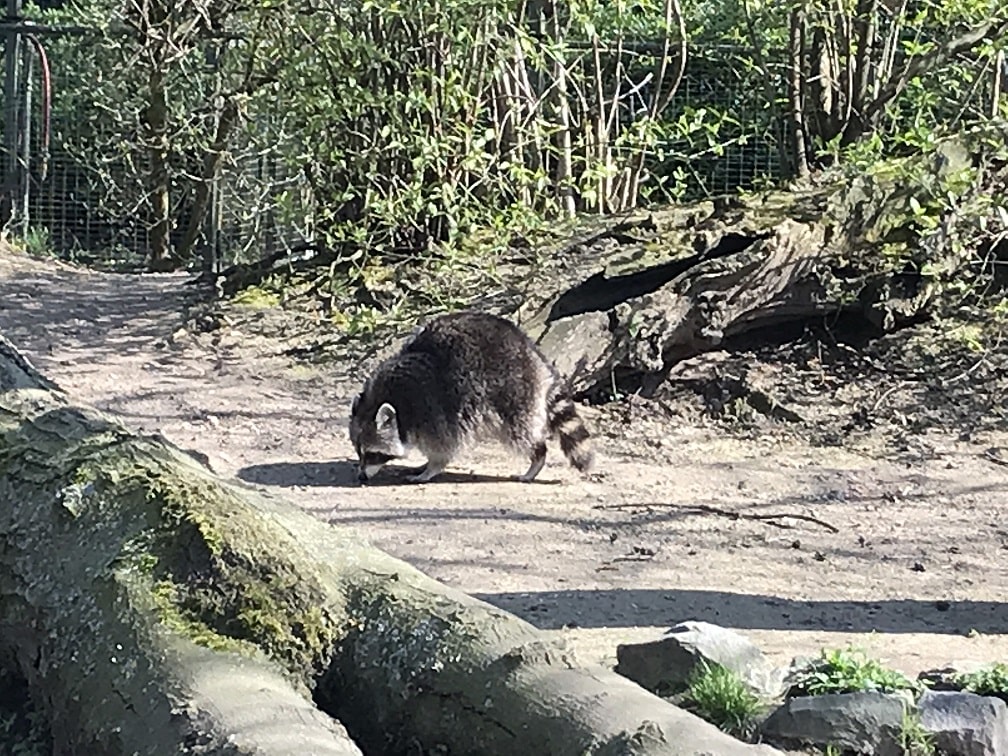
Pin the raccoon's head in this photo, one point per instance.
(374, 433)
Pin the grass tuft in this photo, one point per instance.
(719, 696)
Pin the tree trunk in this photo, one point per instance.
(796, 93)
(212, 159)
(158, 200)
(996, 84)
(155, 609)
(669, 284)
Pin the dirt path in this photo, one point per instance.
(677, 527)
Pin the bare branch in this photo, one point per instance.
(919, 64)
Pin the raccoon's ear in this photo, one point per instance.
(386, 416)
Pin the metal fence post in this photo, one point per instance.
(22, 217)
(12, 173)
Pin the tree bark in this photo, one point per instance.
(996, 84)
(212, 159)
(796, 93)
(666, 285)
(159, 197)
(154, 608)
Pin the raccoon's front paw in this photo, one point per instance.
(430, 471)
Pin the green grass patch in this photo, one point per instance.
(914, 739)
(257, 297)
(35, 242)
(719, 696)
(989, 681)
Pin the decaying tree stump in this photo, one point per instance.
(881, 245)
(156, 609)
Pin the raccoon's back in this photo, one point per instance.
(483, 363)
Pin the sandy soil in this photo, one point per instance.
(908, 559)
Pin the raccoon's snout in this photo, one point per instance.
(362, 472)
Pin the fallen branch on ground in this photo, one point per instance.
(770, 518)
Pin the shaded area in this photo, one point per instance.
(806, 513)
(343, 474)
(24, 729)
(601, 292)
(633, 607)
(950, 376)
(101, 314)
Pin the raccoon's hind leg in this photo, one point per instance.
(538, 460)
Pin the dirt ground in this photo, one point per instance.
(904, 554)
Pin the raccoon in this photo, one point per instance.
(464, 377)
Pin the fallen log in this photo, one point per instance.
(154, 608)
(882, 247)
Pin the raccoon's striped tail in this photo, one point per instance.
(565, 422)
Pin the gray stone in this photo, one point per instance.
(665, 664)
(867, 722)
(965, 724)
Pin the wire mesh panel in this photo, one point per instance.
(79, 212)
(750, 138)
(85, 196)
(262, 207)
(86, 192)
(68, 193)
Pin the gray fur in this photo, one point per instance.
(465, 377)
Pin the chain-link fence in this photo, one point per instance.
(750, 143)
(54, 198)
(83, 194)
(80, 190)
(76, 173)
(261, 208)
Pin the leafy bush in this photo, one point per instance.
(391, 130)
(849, 671)
(988, 681)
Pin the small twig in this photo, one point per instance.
(886, 394)
(768, 518)
(965, 373)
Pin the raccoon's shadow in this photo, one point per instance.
(339, 473)
(395, 475)
(343, 474)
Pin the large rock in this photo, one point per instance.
(965, 724)
(866, 722)
(665, 664)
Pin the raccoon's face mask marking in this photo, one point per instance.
(375, 439)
